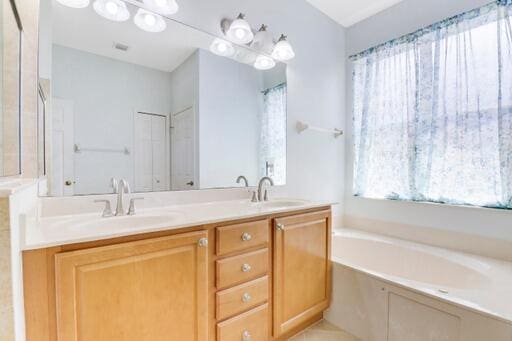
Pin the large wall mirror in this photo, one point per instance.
(160, 110)
(10, 75)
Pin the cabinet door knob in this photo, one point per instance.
(203, 242)
(246, 267)
(246, 236)
(246, 336)
(246, 297)
(280, 227)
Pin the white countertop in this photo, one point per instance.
(70, 229)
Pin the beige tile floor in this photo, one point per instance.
(323, 331)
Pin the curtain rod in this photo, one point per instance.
(409, 37)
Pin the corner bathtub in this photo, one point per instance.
(478, 284)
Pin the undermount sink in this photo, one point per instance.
(129, 221)
(281, 203)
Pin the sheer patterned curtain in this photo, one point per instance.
(273, 135)
(432, 113)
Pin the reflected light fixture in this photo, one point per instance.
(114, 10)
(239, 31)
(264, 62)
(74, 3)
(164, 7)
(222, 48)
(149, 21)
(262, 40)
(283, 51)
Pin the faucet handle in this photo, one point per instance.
(107, 211)
(131, 209)
(254, 197)
(114, 184)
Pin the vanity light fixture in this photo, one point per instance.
(222, 48)
(74, 3)
(164, 7)
(114, 10)
(262, 40)
(283, 51)
(264, 62)
(240, 31)
(149, 21)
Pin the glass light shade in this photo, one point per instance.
(164, 7)
(283, 50)
(114, 10)
(149, 21)
(262, 40)
(74, 3)
(239, 31)
(222, 48)
(264, 63)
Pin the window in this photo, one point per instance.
(432, 113)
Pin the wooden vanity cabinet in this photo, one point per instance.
(258, 279)
(154, 289)
(302, 269)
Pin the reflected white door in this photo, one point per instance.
(150, 153)
(183, 146)
(158, 144)
(62, 181)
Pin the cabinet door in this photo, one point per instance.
(301, 269)
(155, 289)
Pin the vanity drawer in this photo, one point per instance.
(238, 269)
(239, 237)
(241, 298)
(252, 325)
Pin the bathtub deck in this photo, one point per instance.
(323, 331)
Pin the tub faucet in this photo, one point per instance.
(123, 187)
(262, 181)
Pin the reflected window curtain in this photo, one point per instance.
(272, 152)
(432, 113)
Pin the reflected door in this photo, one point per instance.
(150, 153)
(62, 181)
(183, 146)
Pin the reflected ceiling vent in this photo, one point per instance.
(121, 47)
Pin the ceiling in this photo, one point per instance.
(84, 30)
(350, 12)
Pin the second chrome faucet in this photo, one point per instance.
(121, 187)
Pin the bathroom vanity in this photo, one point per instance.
(261, 276)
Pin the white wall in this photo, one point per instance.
(316, 84)
(106, 93)
(230, 105)
(401, 19)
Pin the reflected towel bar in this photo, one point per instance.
(301, 127)
(79, 149)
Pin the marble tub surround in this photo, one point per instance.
(55, 230)
(18, 200)
(374, 273)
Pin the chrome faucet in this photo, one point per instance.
(123, 187)
(113, 185)
(260, 188)
(244, 179)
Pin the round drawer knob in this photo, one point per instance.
(246, 268)
(246, 336)
(203, 242)
(246, 236)
(246, 298)
(280, 227)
